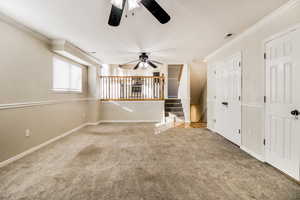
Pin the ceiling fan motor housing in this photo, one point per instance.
(144, 57)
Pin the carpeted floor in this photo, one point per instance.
(135, 162)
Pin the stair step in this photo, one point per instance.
(178, 114)
(173, 101)
(173, 105)
(174, 109)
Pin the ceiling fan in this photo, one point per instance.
(143, 61)
(151, 5)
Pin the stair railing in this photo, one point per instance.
(132, 88)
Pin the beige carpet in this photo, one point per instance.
(131, 162)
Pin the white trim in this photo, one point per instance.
(280, 34)
(54, 91)
(42, 103)
(253, 105)
(290, 4)
(25, 153)
(211, 129)
(129, 121)
(211, 100)
(41, 37)
(22, 27)
(253, 154)
(145, 102)
(93, 123)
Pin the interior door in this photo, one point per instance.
(211, 97)
(221, 99)
(234, 98)
(283, 103)
(228, 99)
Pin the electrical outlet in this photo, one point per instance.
(27, 133)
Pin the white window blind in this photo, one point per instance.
(66, 76)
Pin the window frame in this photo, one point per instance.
(70, 65)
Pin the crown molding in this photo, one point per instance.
(41, 37)
(290, 4)
(8, 20)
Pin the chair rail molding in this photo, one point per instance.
(42, 103)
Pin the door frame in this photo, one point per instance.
(264, 46)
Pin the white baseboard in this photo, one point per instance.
(93, 123)
(129, 121)
(245, 149)
(253, 154)
(25, 153)
(212, 130)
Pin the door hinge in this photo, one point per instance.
(265, 99)
(240, 98)
(240, 64)
(265, 56)
(264, 142)
(239, 131)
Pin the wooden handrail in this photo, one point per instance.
(161, 77)
(132, 88)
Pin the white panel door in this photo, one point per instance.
(211, 97)
(221, 98)
(234, 99)
(283, 103)
(228, 99)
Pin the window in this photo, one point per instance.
(66, 76)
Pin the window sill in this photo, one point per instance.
(66, 92)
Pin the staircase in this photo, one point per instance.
(174, 107)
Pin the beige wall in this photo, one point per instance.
(195, 113)
(251, 46)
(203, 104)
(184, 92)
(26, 68)
(44, 123)
(198, 91)
(143, 111)
(25, 77)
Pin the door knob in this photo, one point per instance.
(295, 112)
(225, 103)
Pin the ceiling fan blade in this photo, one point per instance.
(154, 61)
(116, 15)
(157, 11)
(151, 64)
(137, 66)
(131, 62)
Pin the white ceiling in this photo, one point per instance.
(196, 29)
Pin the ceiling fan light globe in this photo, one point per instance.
(117, 3)
(133, 4)
(144, 65)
